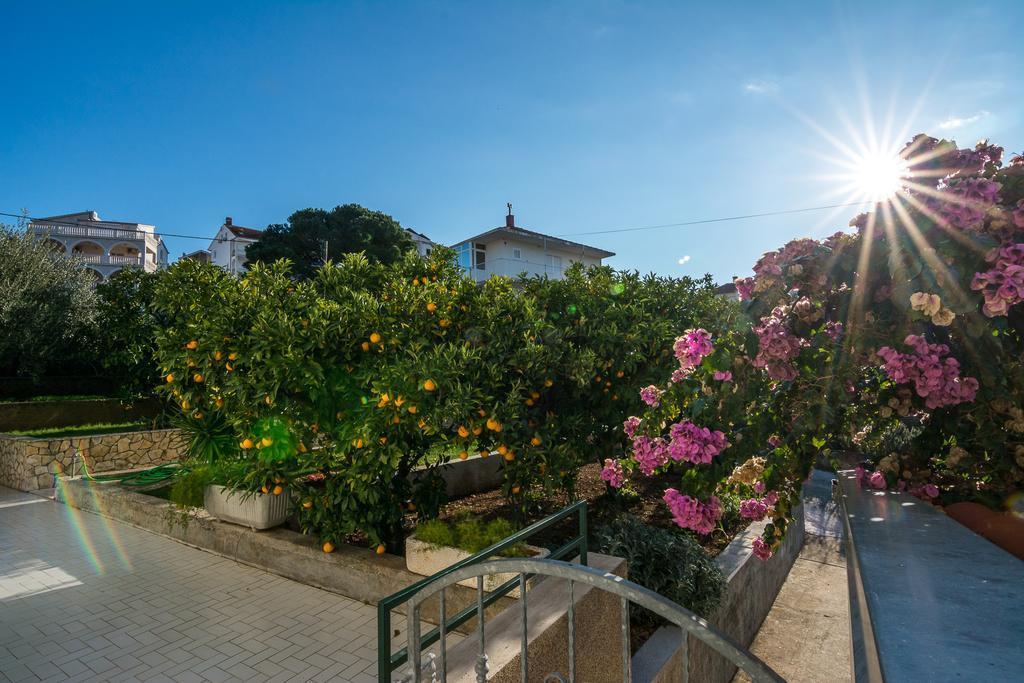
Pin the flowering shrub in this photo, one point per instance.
(910, 325)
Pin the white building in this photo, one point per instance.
(227, 249)
(105, 246)
(423, 243)
(511, 250)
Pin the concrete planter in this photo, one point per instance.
(428, 559)
(256, 511)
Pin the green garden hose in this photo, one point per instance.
(147, 477)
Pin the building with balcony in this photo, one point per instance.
(105, 246)
(227, 249)
(511, 251)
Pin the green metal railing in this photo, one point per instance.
(388, 662)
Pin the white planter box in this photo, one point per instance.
(258, 511)
(428, 559)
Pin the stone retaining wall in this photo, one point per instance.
(28, 464)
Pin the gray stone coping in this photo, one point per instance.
(930, 600)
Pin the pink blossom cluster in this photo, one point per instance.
(761, 549)
(925, 492)
(723, 376)
(612, 473)
(777, 346)
(651, 395)
(1002, 285)
(744, 288)
(695, 444)
(833, 330)
(649, 454)
(965, 202)
(875, 480)
(754, 509)
(630, 426)
(935, 378)
(690, 513)
(691, 348)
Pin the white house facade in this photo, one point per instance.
(424, 244)
(510, 251)
(105, 246)
(227, 249)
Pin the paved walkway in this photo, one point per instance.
(89, 599)
(806, 635)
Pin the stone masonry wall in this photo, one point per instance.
(28, 464)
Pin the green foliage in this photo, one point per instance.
(469, 533)
(210, 438)
(345, 229)
(368, 371)
(125, 335)
(47, 307)
(668, 561)
(189, 488)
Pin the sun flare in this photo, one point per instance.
(878, 176)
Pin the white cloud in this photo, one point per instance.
(684, 260)
(954, 122)
(761, 87)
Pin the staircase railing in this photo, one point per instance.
(388, 662)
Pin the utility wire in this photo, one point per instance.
(608, 231)
(718, 220)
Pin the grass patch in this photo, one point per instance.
(83, 430)
(469, 534)
(72, 397)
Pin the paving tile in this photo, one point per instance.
(94, 599)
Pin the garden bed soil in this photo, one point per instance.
(602, 508)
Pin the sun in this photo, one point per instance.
(877, 175)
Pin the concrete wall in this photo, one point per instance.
(469, 476)
(598, 634)
(28, 464)
(41, 414)
(751, 591)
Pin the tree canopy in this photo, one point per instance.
(346, 229)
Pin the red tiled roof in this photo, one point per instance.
(239, 231)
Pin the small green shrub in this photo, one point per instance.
(469, 534)
(668, 561)
(188, 488)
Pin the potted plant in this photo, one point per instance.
(436, 545)
(242, 484)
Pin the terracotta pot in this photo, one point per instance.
(1004, 529)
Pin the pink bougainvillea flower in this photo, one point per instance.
(695, 444)
(759, 487)
(630, 426)
(690, 513)
(877, 480)
(929, 304)
(723, 375)
(651, 395)
(761, 549)
(612, 473)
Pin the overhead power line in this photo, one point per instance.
(607, 231)
(717, 220)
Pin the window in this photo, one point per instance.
(462, 256)
(554, 264)
(481, 256)
(517, 254)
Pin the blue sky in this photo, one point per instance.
(586, 115)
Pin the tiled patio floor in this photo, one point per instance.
(88, 599)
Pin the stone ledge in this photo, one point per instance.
(929, 599)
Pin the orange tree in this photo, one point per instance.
(356, 385)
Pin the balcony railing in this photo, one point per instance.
(104, 260)
(88, 231)
(512, 268)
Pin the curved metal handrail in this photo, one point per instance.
(628, 591)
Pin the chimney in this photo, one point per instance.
(227, 221)
(510, 220)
